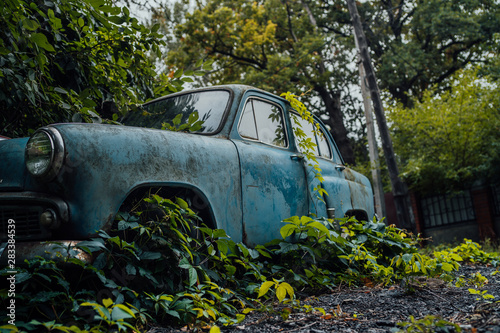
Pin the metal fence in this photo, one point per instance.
(441, 210)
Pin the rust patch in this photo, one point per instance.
(349, 175)
(108, 225)
(244, 235)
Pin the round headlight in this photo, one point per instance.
(44, 153)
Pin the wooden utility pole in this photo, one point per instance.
(399, 189)
(378, 188)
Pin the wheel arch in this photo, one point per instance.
(196, 199)
(358, 214)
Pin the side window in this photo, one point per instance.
(323, 145)
(303, 132)
(263, 122)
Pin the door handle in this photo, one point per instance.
(340, 167)
(297, 157)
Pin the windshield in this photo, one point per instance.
(208, 106)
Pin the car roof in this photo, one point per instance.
(238, 89)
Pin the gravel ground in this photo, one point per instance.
(375, 309)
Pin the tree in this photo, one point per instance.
(276, 46)
(450, 139)
(420, 44)
(64, 57)
(306, 45)
(399, 189)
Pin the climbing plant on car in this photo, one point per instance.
(306, 145)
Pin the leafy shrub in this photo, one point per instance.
(155, 269)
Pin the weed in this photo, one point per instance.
(153, 270)
(428, 324)
(483, 294)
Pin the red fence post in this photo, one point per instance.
(484, 216)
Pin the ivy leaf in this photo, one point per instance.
(30, 25)
(148, 255)
(321, 227)
(193, 276)
(447, 267)
(264, 288)
(121, 311)
(178, 73)
(287, 230)
(182, 203)
(116, 19)
(107, 302)
(130, 269)
(283, 289)
(41, 40)
(214, 329)
(61, 90)
(286, 247)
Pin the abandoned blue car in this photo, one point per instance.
(242, 170)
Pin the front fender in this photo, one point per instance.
(104, 163)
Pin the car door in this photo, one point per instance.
(273, 181)
(337, 201)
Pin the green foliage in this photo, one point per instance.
(449, 138)
(112, 314)
(428, 324)
(244, 39)
(306, 146)
(152, 270)
(282, 289)
(308, 46)
(472, 252)
(73, 59)
(483, 294)
(419, 44)
(273, 46)
(326, 252)
(193, 123)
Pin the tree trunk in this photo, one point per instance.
(336, 122)
(399, 189)
(378, 189)
(331, 99)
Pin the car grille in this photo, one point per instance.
(26, 222)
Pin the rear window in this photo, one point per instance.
(318, 137)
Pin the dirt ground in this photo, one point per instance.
(375, 309)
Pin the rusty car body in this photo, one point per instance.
(242, 170)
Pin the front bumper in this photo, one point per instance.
(57, 251)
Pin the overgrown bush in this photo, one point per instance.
(153, 270)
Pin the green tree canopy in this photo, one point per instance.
(449, 140)
(59, 58)
(275, 46)
(307, 46)
(419, 44)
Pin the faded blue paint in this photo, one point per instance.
(115, 159)
(273, 184)
(12, 170)
(249, 186)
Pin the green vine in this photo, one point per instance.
(305, 144)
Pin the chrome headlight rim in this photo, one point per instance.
(56, 155)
